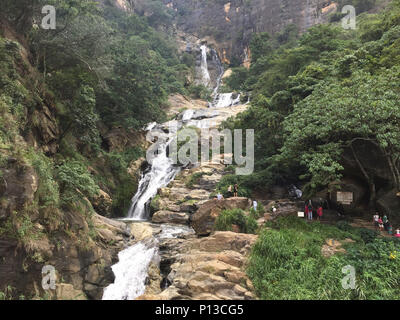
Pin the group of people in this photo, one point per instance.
(233, 190)
(383, 223)
(309, 211)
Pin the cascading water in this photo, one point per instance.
(224, 100)
(132, 268)
(131, 272)
(161, 172)
(206, 79)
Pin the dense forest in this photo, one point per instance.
(324, 103)
(320, 97)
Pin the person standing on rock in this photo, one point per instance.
(235, 190)
(255, 204)
(230, 193)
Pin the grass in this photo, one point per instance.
(286, 263)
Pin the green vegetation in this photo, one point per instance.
(286, 263)
(102, 68)
(311, 92)
(228, 218)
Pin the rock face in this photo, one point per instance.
(228, 25)
(206, 268)
(204, 218)
(82, 269)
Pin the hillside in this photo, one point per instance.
(84, 105)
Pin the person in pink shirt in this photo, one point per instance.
(397, 233)
(380, 222)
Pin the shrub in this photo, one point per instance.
(75, 182)
(368, 235)
(228, 218)
(48, 189)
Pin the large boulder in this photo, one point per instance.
(165, 216)
(204, 218)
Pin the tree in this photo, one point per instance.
(336, 116)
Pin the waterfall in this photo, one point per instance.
(161, 172)
(221, 70)
(131, 272)
(132, 268)
(224, 100)
(204, 66)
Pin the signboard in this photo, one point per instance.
(344, 197)
(300, 214)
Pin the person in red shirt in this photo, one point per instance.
(306, 211)
(320, 212)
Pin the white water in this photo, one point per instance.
(132, 269)
(204, 66)
(187, 115)
(161, 172)
(224, 100)
(131, 272)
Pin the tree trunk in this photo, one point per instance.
(370, 180)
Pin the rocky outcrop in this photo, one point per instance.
(204, 219)
(170, 217)
(83, 266)
(209, 268)
(120, 139)
(191, 188)
(229, 25)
